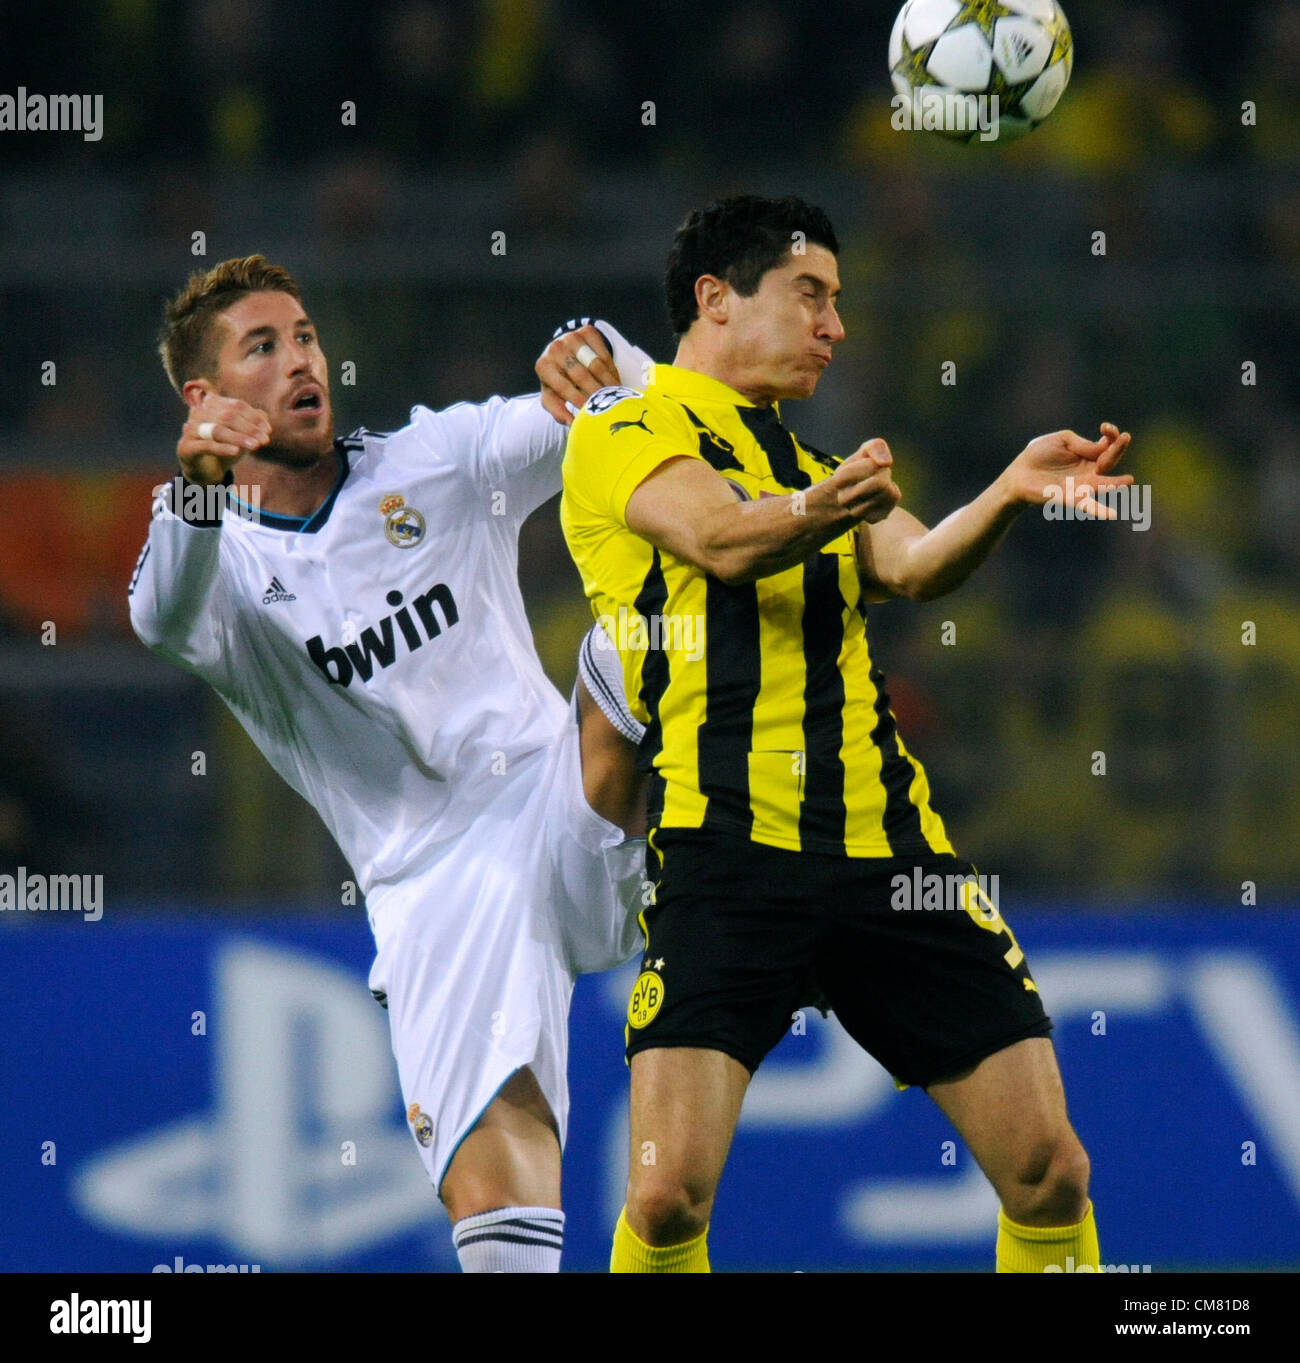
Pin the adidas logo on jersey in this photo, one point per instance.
(378, 643)
(277, 592)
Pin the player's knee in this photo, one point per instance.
(1050, 1184)
(668, 1211)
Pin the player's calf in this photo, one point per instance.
(502, 1188)
(1010, 1111)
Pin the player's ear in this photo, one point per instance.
(711, 295)
(195, 390)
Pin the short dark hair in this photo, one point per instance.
(738, 239)
(186, 339)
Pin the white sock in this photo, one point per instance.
(510, 1240)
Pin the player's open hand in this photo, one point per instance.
(572, 368)
(219, 431)
(864, 483)
(1047, 462)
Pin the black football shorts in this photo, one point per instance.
(741, 935)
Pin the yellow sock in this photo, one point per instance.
(631, 1254)
(1048, 1249)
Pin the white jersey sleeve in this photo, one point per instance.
(511, 449)
(177, 600)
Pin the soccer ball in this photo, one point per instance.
(949, 58)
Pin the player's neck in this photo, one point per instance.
(703, 359)
(289, 489)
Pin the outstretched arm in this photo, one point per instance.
(512, 448)
(899, 556)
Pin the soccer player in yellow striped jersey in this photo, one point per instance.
(730, 565)
(786, 736)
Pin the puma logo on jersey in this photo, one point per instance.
(616, 426)
(378, 643)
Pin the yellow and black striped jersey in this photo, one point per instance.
(765, 715)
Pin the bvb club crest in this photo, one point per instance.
(403, 524)
(647, 996)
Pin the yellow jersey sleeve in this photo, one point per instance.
(616, 442)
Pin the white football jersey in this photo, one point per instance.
(378, 653)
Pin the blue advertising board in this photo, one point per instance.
(221, 1092)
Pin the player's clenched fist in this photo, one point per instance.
(218, 432)
(575, 365)
(864, 483)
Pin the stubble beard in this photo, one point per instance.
(297, 457)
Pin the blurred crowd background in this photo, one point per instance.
(584, 131)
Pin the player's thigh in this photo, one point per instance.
(729, 948)
(728, 957)
(685, 1103)
(1010, 1110)
(511, 1157)
(929, 992)
(477, 980)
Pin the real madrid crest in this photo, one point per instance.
(403, 524)
(421, 1124)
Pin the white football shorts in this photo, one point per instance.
(478, 950)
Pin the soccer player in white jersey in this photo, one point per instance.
(366, 628)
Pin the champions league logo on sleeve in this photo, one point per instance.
(605, 398)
